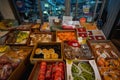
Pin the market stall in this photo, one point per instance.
(70, 50)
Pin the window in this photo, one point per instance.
(53, 8)
(84, 8)
(31, 10)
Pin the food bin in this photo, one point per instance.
(52, 51)
(45, 27)
(48, 70)
(99, 35)
(103, 48)
(35, 27)
(39, 37)
(109, 68)
(90, 26)
(3, 36)
(75, 51)
(65, 35)
(96, 35)
(18, 72)
(82, 70)
(17, 37)
(19, 57)
(24, 26)
(4, 49)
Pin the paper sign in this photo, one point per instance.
(51, 18)
(67, 18)
(86, 8)
(103, 55)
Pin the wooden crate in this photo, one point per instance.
(59, 31)
(13, 35)
(36, 69)
(18, 72)
(44, 45)
(39, 33)
(91, 42)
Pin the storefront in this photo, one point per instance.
(59, 40)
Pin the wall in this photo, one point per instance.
(5, 10)
(112, 11)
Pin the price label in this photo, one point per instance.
(103, 55)
(86, 8)
(67, 18)
(51, 18)
(56, 20)
(75, 44)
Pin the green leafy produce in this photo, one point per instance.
(87, 76)
(82, 71)
(75, 69)
(86, 67)
(78, 78)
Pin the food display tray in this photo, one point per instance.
(65, 35)
(45, 47)
(17, 37)
(81, 52)
(40, 36)
(45, 27)
(36, 69)
(96, 35)
(103, 48)
(109, 68)
(18, 71)
(82, 70)
(24, 26)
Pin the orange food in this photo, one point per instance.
(106, 77)
(65, 36)
(101, 61)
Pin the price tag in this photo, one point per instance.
(86, 8)
(103, 55)
(75, 44)
(80, 39)
(51, 18)
(56, 20)
(67, 18)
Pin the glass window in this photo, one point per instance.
(53, 8)
(31, 10)
(84, 8)
(27, 9)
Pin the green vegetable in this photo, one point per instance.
(82, 71)
(74, 69)
(87, 76)
(78, 78)
(86, 67)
